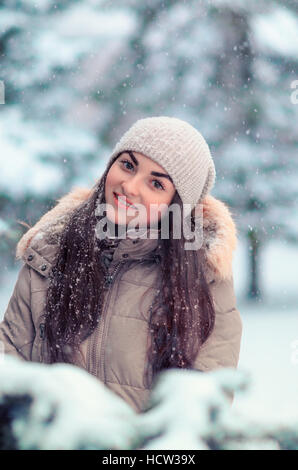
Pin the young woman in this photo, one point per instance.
(127, 305)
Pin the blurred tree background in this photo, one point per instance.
(77, 74)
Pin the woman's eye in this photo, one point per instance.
(160, 186)
(126, 161)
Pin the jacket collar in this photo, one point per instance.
(144, 246)
(219, 234)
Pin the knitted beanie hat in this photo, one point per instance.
(179, 148)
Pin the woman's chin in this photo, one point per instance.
(116, 221)
(130, 222)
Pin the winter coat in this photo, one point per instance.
(116, 351)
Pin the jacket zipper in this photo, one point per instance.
(42, 336)
(97, 346)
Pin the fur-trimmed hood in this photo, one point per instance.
(219, 229)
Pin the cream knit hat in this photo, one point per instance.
(179, 148)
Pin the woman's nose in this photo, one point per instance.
(131, 187)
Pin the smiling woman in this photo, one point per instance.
(125, 309)
(137, 182)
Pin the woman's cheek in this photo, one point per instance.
(111, 178)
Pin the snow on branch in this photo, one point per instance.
(61, 406)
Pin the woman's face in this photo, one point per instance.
(139, 181)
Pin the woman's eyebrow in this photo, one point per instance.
(154, 173)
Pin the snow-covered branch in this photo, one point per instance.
(61, 406)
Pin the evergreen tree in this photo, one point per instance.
(209, 63)
(43, 150)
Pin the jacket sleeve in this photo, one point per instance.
(17, 330)
(222, 347)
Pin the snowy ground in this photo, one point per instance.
(268, 353)
(269, 350)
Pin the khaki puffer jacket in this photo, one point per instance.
(116, 351)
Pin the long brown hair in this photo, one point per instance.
(181, 316)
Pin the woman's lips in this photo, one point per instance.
(120, 203)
